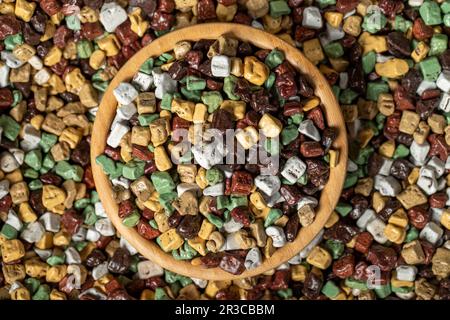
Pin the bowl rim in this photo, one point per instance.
(329, 195)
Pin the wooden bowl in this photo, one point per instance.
(329, 196)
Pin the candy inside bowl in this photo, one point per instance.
(154, 192)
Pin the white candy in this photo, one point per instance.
(438, 165)
(334, 34)
(388, 186)
(293, 169)
(11, 60)
(72, 256)
(36, 62)
(122, 182)
(99, 295)
(253, 259)
(232, 242)
(429, 185)
(220, 66)
(425, 85)
(100, 210)
(312, 18)
(376, 229)
(419, 152)
(406, 295)
(415, 3)
(31, 138)
(314, 242)
(8, 162)
(112, 15)
(92, 235)
(44, 254)
(232, 226)
(126, 112)
(295, 259)
(125, 244)
(406, 273)
(283, 266)
(307, 200)
(385, 168)
(105, 227)
(215, 190)
(447, 244)
(436, 214)
(442, 184)
(147, 269)
(351, 166)
(308, 128)
(444, 105)
(268, 184)
(343, 80)
(208, 154)
(183, 187)
(4, 76)
(143, 81)
(431, 232)
(443, 82)
(80, 235)
(365, 219)
(51, 221)
(256, 24)
(18, 154)
(201, 283)
(164, 83)
(274, 199)
(447, 163)
(116, 134)
(100, 271)
(125, 93)
(42, 76)
(4, 188)
(277, 235)
(349, 14)
(13, 220)
(33, 232)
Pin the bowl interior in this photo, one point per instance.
(329, 196)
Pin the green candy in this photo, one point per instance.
(35, 185)
(411, 235)
(445, 7)
(272, 146)
(106, 163)
(343, 208)
(215, 220)
(42, 293)
(334, 50)
(336, 248)
(400, 24)
(303, 180)
(12, 41)
(163, 182)
(297, 118)
(229, 83)
(383, 291)
(214, 176)
(184, 253)
(81, 203)
(48, 140)
(94, 197)
(146, 119)
(430, 13)
(272, 216)
(90, 218)
(285, 293)
(153, 224)
(237, 202)
(100, 85)
(133, 265)
(355, 284)
(270, 81)
(32, 284)
(368, 61)
(325, 3)
(166, 199)
(279, 8)
(431, 68)
(133, 170)
(438, 44)
(73, 23)
(336, 91)
(69, 172)
(34, 159)
(80, 245)
(330, 289)
(10, 127)
(447, 20)
(363, 155)
(401, 151)
(374, 22)
(30, 173)
(191, 95)
(274, 58)
(17, 96)
(131, 220)
(289, 134)
(374, 89)
(118, 172)
(84, 49)
(160, 294)
(194, 83)
(222, 202)
(56, 260)
(350, 180)
(166, 101)
(8, 232)
(347, 96)
(402, 289)
(213, 99)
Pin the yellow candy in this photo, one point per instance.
(97, 59)
(12, 250)
(24, 10)
(255, 71)
(56, 273)
(138, 25)
(72, 136)
(52, 196)
(57, 295)
(214, 286)
(198, 244)
(334, 217)
(352, 25)
(147, 294)
(21, 293)
(236, 108)
(184, 109)
(313, 50)
(170, 240)
(394, 234)
(53, 56)
(162, 160)
(270, 126)
(399, 218)
(298, 272)
(200, 179)
(445, 219)
(46, 241)
(400, 283)
(13, 272)
(74, 80)
(392, 68)
(370, 42)
(420, 52)
(206, 229)
(26, 213)
(36, 268)
(334, 19)
(387, 149)
(319, 257)
(110, 44)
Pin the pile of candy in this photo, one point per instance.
(389, 64)
(201, 92)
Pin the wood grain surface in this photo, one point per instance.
(329, 196)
